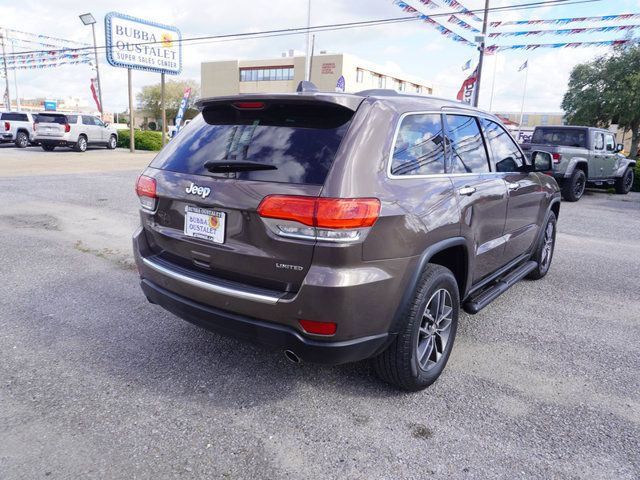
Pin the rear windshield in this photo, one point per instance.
(566, 137)
(49, 118)
(16, 117)
(299, 139)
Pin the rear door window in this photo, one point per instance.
(419, 146)
(507, 157)
(467, 151)
(599, 141)
(299, 139)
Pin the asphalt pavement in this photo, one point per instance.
(97, 383)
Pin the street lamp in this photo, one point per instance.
(88, 19)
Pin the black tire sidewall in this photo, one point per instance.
(443, 279)
(19, 137)
(112, 142)
(79, 145)
(539, 272)
(569, 186)
(623, 188)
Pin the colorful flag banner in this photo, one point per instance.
(94, 93)
(45, 37)
(462, 24)
(467, 65)
(565, 31)
(564, 21)
(454, 19)
(462, 9)
(48, 65)
(606, 43)
(524, 65)
(467, 91)
(182, 108)
(340, 84)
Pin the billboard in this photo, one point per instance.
(142, 45)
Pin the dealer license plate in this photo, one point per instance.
(204, 223)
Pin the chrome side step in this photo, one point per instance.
(489, 294)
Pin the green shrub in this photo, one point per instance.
(144, 140)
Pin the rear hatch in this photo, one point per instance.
(206, 217)
(51, 125)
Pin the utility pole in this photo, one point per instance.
(15, 75)
(476, 98)
(307, 63)
(95, 52)
(6, 74)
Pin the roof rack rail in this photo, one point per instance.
(386, 92)
(305, 86)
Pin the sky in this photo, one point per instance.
(413, 47)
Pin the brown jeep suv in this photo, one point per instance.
(339, 227)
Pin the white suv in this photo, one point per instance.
(17, 127)
(73, 130)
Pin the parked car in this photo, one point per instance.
(583, 156)
(339, 227)
(77, 131)
(17, 127)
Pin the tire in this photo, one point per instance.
(48, 148)
(81, 144)
(22, 140)
(544, 251)
(625, 182)
(112, 143)
(410, 362)
(574, 186)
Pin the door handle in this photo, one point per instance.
(513, 186)
(467, 191)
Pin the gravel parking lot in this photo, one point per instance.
(97, 383)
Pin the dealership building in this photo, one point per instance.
(282, 75)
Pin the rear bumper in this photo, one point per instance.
(6, 137)
(276, 336)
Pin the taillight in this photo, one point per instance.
(146, 190)
(330, 219)
(556, 157)
(249, 105)
(34, 126)
(7, 126)
(319, 328)
(67, 128)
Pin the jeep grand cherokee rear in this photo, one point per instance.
(284, 219)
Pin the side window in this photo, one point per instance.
(419, 146)
(507, 157)
(87, 120)
(468, 154)
(610, 143)
(598, 143)
(97, 122)
(72, 119)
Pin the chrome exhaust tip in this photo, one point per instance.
(292, 357)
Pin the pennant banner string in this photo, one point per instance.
(564, 21)
(565, 31)
(454, 19)
(425, 18)
(606, 43)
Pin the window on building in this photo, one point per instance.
(401, 86)
(418, 88)
(266, 74)
(544, 120)
(419, 146)
(468, 154)
(359, 75)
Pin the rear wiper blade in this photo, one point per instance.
(237, 166)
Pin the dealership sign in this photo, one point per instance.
(136, 43)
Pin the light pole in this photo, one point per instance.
(476, 100)
(88, 19)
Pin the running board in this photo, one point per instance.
(477, 303)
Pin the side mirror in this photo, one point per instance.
(106, 124)
(541, 161)
(619, 148)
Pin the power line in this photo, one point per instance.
(318, 28)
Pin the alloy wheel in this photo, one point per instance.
(435, 329)
(579, 187)
(628, 181)
(547, 248)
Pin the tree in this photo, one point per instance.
(149, 99)
(605, 91)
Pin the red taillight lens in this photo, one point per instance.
(347, 212)
(282, 207)
(322, 212)
(556, 157)
(7, 126)
(319, 328)
(146, 190)
(249, 105)
(67, 128)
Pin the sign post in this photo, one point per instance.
(132, 143)
(134, 43)
(164, 111)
